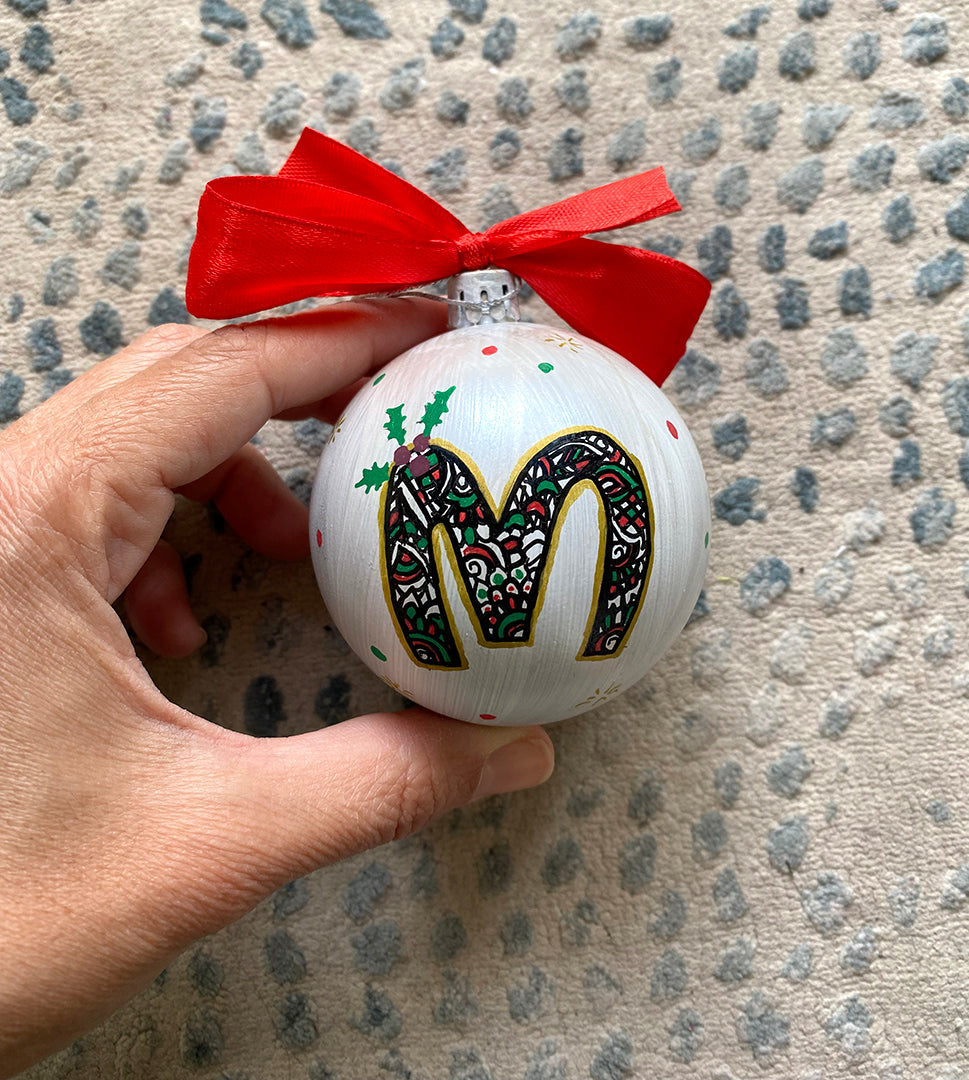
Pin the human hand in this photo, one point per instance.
(130, 827)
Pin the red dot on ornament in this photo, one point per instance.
(489, 350)
(672, 427)
(319, 538)
(485, 716)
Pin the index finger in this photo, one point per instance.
(186, 414)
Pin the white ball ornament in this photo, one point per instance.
(510, 522)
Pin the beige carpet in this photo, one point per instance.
(755, 861)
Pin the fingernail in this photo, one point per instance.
(521, 764)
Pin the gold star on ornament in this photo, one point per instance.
(600, 695)
(563, 342)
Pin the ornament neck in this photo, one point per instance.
(482, 296)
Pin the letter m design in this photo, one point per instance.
(501, 555)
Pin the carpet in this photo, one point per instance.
(756, 860)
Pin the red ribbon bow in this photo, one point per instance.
(334, 223)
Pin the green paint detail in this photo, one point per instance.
(434, 410)
(374, 477)
(411, 611)
(469, 536)
(546, 368)
(395, 424)
(462, 500)
(422, 543)
(482, 594)
(410, 528)
(706, 540)
(546, 485)
(633, 486)
(519, 573)
(515, 519)
(382, 375)
(508, 621)
(497, 577)
(379, 655)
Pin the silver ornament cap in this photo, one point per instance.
(478, 297)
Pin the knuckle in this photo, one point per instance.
(413, 794)
(233, 340)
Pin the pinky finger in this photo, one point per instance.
(158, 607)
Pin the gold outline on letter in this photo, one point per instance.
(440, 545)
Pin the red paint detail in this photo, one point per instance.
(486, 716)
(510, 545)
(582, 464)
(492, 620)
(673, 431)
(489, 350)
(615, 457)
(393, 518)
(319, 538)
(536, 507)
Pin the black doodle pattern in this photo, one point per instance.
(502, 560)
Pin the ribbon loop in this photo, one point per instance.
(334, 223)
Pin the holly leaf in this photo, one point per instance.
(374, 477)
(435, 410)
(395, 424)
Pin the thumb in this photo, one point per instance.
(291, 805)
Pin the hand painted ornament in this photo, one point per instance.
(510, 522)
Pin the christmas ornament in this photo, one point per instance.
(510, 522)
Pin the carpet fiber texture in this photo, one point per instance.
(757, 860)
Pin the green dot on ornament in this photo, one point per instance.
(378, 378)
(497, 578)
(546, 368)
(706, 540)
(379, 655)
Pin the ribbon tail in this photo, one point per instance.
(641, 304)
(629, 201)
